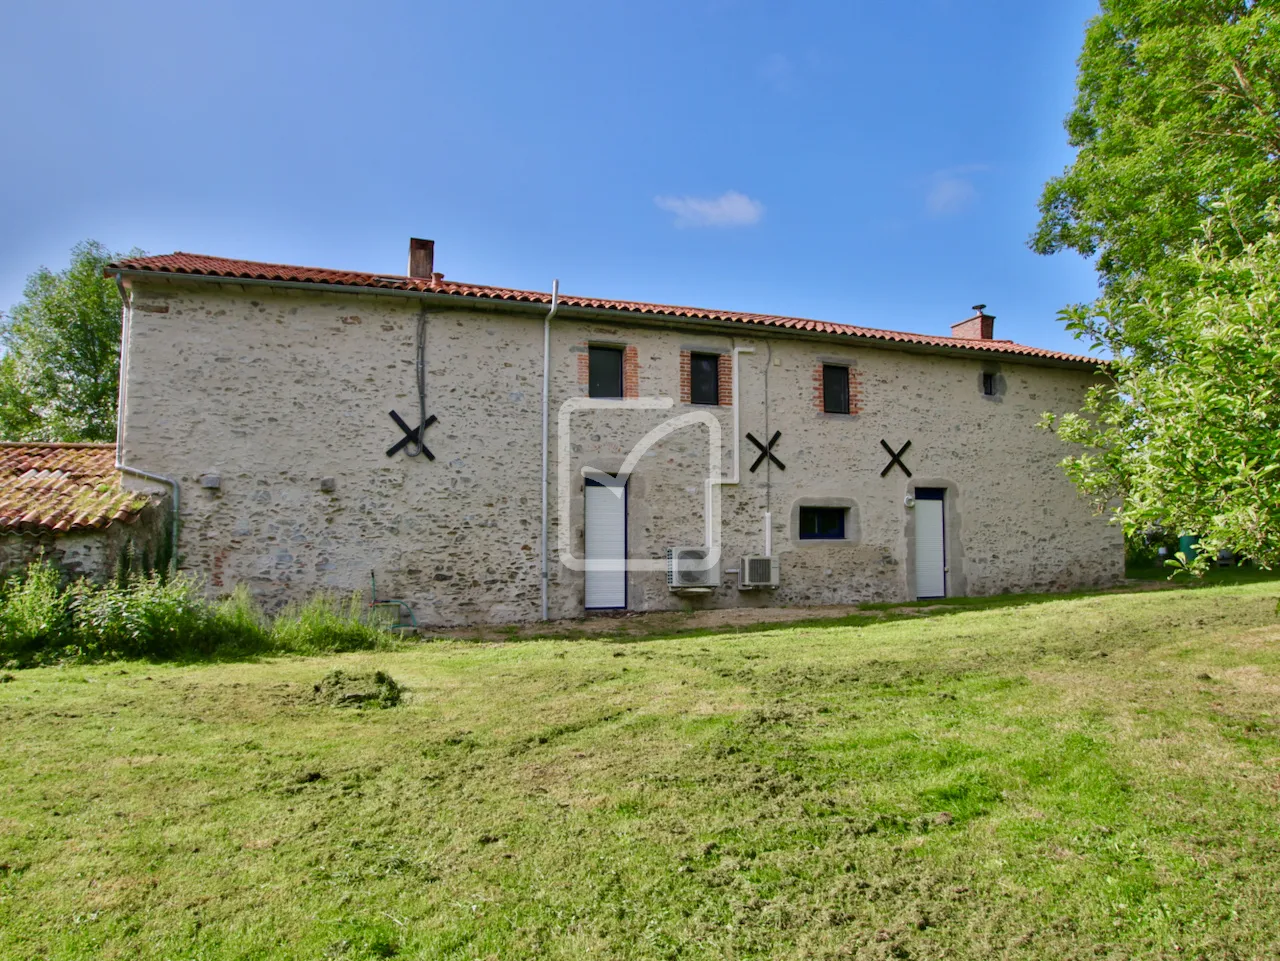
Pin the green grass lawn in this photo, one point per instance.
(1084, 778)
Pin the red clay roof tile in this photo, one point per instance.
(57, 488)
(205, 266)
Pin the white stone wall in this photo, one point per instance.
(273, 391)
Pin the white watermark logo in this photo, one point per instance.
(566, 486)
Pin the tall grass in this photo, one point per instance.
(151, 616)
(33, 612)
(326, 624)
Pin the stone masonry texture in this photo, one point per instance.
(275, 391)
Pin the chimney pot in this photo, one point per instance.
(422, 255)
(981, 326)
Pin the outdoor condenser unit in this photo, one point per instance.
(758, 571)
(687, 571)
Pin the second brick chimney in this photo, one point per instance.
(981, 326)
(422, 255)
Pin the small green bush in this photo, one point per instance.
(156, 617)
(33, 612)
(325, 624)
(159, 617)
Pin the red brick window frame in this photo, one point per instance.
(726, 380)
(855, 390)
(631, 372)
(724, 376)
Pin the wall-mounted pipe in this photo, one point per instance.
(122, 395)
(546, 439)
(735, 477)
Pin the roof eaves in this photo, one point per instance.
(277, 275)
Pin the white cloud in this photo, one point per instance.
(730, 209)
(952, 191)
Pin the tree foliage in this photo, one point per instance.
(1177, 125)
(1192, 444)
(60, 370)
(1177, 108)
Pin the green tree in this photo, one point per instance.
(60, 370)
(1177, 129)
(1177, 108)
(1192, 444)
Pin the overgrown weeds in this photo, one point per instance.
(33, 612)
(158, 617)
(327, 623)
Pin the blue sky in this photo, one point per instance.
(863, 162)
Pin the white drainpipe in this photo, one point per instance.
(737, 419)
(546, 414)
(735, 477)
(121, 398)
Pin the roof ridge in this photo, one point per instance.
(204, 265)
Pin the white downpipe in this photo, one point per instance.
(737, 419)
(546, 439)
(736, 476)
(122, 395)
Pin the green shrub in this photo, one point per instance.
(165, 616)
(326, 624)
(161, 618)
(33, 612)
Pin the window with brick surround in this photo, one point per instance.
(604, 372)
(704, 379)
(835, 389)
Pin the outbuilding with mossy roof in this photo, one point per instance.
(66, 502)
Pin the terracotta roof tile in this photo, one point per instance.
(62, 487)
(205, 266)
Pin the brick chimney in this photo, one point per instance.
(981, 326)
(422, 255)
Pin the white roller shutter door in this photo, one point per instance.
(931, 577)
(606, 523)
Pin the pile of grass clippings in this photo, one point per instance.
(343, 689)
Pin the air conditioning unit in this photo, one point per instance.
(757, 571)
(687, 570)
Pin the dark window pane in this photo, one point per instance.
(704, 378)
(822, 523)
(835, 389)
(605, 379)
(989, 384)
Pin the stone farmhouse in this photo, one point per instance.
(582, 454)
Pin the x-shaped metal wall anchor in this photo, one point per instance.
(411, 436)
(766, 450)
(895, 458)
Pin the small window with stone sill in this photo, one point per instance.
(604, 377)
(704, 379)
(822, 523)
(835, 389)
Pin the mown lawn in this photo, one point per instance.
(1095, 777)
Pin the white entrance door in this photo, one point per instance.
(606, 522)
(931, 555)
